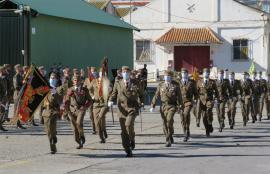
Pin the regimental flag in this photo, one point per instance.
(252, 68)
(34, 90)
(195, 75)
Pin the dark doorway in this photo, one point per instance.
(191, 57)
(11, 37)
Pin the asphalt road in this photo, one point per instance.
(242, 150)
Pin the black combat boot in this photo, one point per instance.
(53, 148)
(129, 153)
(3, 129)
(132, 145)
(19, 125)
(105, 134)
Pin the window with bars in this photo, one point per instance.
(144, 50)
(240, 49)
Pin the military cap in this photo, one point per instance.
(206, 70)
(41, 68)
(232, 73)
(53, 74)
(92, 68)
(76, 77)
(17, 66)
(125, 68)
(25, 67)
(245, 73)
(6, 65)
(168, 73)
(184, 70)
(221, 71)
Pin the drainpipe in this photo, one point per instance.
(26, 34)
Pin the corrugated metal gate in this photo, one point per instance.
(11, 37)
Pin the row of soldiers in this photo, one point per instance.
(205, 94)
(71, 97)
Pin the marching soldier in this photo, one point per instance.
(224, 93)
(236, 90)
(17, 84)
(130, 97)
(189, 94)
(257, 91)
(3, 97)
(100, 106)
(51, 110)
(92, 75)
(171, 101)
(43, 73)
(9, 77)
(207, 91)
(246, 101)
(267, 98)
(263, 85)
(76, 103)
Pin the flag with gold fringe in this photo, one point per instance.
(252, 68)
(34, 90)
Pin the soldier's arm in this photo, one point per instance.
(156, 96)
(229, 90)
(88, 99)
(114, 92)
(141, 93)
(195, 90)
(215, 90)
(91, 90)
(179, 97)
(16, 83)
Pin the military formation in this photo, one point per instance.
(74, 92)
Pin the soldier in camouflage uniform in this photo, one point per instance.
(189, 95)
(224, 93)
(93, 74)
(130, 98)
(171, 101)
(263, 85)
(246, 100)
(76, 103)
(3, 97)
(257, 91)
(207, 91)
(51, 110)
(236, 90)
(267, 98)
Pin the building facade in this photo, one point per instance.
(200, 33)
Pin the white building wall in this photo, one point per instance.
(229, 19)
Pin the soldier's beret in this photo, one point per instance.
(168, 73)
(125, 68)
(184, 70)
(75, 70)
(232, 73)
(17, 66)
(245, 73)
(221, 71)
(206, 70)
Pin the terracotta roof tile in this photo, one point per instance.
(189, 36)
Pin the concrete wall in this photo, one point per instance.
(79, 44)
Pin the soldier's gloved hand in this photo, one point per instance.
(110, 104)
(152, 109)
